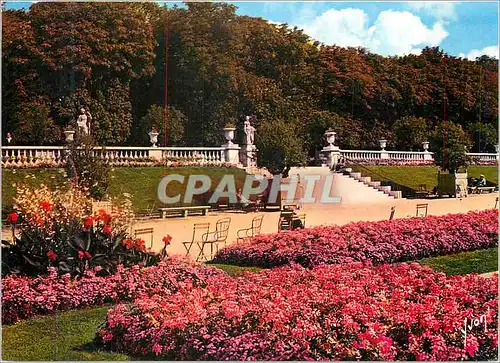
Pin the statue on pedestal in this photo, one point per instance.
(83, 121)
(249, 132)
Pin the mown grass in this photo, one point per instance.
(480, 261)
(140, 182)
(413, 176)
(233, 270)
(65, 336)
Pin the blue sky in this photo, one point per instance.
(466, 29)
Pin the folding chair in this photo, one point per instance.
(285, 221)
(423, 208)
(199, 230)
(296, 218)
(393, 211)
(143, 231)
(214, 238)
(253, 231)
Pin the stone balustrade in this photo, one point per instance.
(384, 154)
(54, 156)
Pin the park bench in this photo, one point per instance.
(486, 189)
(481, 190)
(184, 211)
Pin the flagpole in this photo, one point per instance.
(165, 84)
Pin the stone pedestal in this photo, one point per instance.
(428, 155)
(248, 156)
(156, 154)
(232, 153)
(332, 154)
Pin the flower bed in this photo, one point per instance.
(350, 312)
(24, 297)
(376, 242)
(388, 162)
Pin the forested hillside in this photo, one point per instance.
(221, 67)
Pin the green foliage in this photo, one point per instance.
(222, 67)
(280, 146)
(450, 143)
(59, 231)
(87, 168)
(35, 126)
(112, 114)
(485, 136)
(410, 132)
(320, 121)
(154, 118)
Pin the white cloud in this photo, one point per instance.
(491, 51)
(392, 33)
(441, 10)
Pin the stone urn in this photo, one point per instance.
(330, 137)
(229, 134)
(153, 137)
(383, 144)
(425, 145)
(69, 135)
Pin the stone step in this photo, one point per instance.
(384, 188)
(374, 184)
(355, 175)
(365, 179)
(397, 194)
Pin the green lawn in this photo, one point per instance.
(65, 336)
(140, 182)
(480, 262)
(413, 176)
(233, 270)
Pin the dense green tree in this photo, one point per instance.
(154, 118)
(221, 66)
(280, 146)
(450, 143)
(410, 132)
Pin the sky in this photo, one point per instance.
(465, 29)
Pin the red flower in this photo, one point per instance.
(88, 222)
(46, 206)
(81, 254)
(140, 244)
(128, 243)
(107, 229)
(12, 218)
(103, 216)
(87, 255)
(167, 239)
(51, 255)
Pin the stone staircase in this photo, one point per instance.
(350, 189)
(386, 189)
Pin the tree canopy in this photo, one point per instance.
(110, 58)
